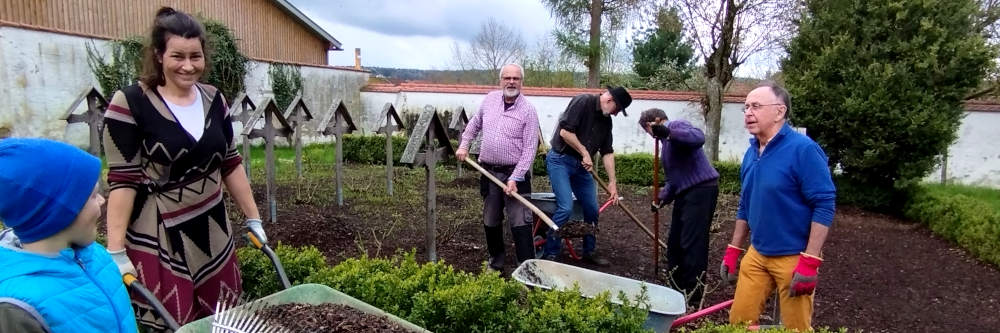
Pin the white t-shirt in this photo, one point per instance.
(191, 117)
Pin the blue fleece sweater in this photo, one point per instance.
(78, 290)
(784, 190)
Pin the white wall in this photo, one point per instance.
(41, 73)
(974, 158)
(628, 137)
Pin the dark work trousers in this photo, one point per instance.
(495, 202)
(687, 244)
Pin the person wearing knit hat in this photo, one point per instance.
(692, 184)
(51, 208)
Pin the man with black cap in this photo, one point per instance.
(583, 130)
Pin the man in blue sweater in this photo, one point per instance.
(55, 278)
(786, 206)
(693, 185)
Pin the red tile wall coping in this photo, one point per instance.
(690, 96)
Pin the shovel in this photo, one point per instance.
(270, 255)
(517, 196)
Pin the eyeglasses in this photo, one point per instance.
(753, 107)
(510, 78)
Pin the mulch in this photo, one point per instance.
(881, 274)
(327, 318)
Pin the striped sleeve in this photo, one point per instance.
(233, 159)
(121, 144)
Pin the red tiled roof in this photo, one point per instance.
(537, 91)
(978, 105)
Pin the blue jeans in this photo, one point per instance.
(569, 178)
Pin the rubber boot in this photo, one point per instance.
(524, 243)
(494, 246)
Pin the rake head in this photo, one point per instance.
(234, 318)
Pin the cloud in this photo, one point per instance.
(431, 18)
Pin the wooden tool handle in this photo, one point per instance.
(515, 194)
(627, 211)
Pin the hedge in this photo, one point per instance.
(438, 297)
(631, 169)
(966, 220)
(259, 277)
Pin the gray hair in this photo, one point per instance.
(519, 68)
(781, 94)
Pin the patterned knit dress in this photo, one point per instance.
(178, 238)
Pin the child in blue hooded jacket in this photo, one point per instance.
(55, 277)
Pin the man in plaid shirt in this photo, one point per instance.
(509, 127)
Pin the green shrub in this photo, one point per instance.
(566, 311)
(229, 66)
(286, 82)
(729, 176)
(370, 149)
(972, 223)
(483, 303)
(435, 296)
(881, 87)
(259, 276)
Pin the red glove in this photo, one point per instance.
(804, 278)
(729, 269)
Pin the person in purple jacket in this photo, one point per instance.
(692, 184)
(509, 127)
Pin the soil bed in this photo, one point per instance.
(328, 318)
(880, 274)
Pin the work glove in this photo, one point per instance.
(729, 270)
(660, 131)
(656, 205)
(123, 262)
(254, 225)
(804, 277)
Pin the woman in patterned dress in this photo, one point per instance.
(169, 144)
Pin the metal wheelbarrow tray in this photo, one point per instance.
(665, 304)
(307, 294)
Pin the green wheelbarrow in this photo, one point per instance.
(307, 294)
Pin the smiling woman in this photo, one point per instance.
(169, 145)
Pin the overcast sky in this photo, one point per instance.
(420, 34)
(417, 34)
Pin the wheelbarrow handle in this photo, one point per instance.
(270, 255)
(626, 210)
(132, 283)
(552, 225)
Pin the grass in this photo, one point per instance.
(986, 195)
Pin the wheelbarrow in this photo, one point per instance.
(546, 202)
(307, 294)
(133, 284)
(665, 304)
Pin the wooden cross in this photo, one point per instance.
(298, 114)
(337, 122)
(275, 125)
(246, 107)
(389, 112)
(458, 121)
(94, 116)
(430, 128)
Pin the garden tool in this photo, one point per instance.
(628, 212)
(256, 242)
(517, 196)
(132, 283)
(229, 318)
